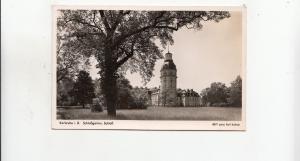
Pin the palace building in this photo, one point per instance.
(167, 94)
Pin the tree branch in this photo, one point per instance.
(105, 22)
(119, 19)
(128, 55)
(86, 23)
(94, 18)
(154, 25)
(167, 27)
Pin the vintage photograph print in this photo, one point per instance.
(149, 68)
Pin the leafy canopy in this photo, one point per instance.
(126, 40)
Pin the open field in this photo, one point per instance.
(157, 113)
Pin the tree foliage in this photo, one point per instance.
(69, 59)
(140, 98)
(83, 90)
(125, 40)
(124, 95)
(131, 33)
(128, 97)
(220, 95)
(216, 94)
(64, 87)
(235, 92)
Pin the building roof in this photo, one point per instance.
(187, 93)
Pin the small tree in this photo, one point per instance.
(216, 94)
(235, 92)
(140, 98)
(83, 90)
(124, 95)
(64, 87)
(204, 96)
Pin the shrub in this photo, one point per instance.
(138, 104)
(139, 98)
(96, 106)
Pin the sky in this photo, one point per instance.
(212, 54)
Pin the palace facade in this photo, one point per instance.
(167, 94)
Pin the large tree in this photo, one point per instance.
(122, 40)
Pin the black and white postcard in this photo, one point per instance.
(149, 68)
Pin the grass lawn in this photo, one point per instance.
(156, 113)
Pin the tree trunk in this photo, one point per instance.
(110, 94)
(109, 83)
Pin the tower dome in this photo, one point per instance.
(168, 56)
(168, 63)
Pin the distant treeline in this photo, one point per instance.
(83, 89)
(221, 96)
